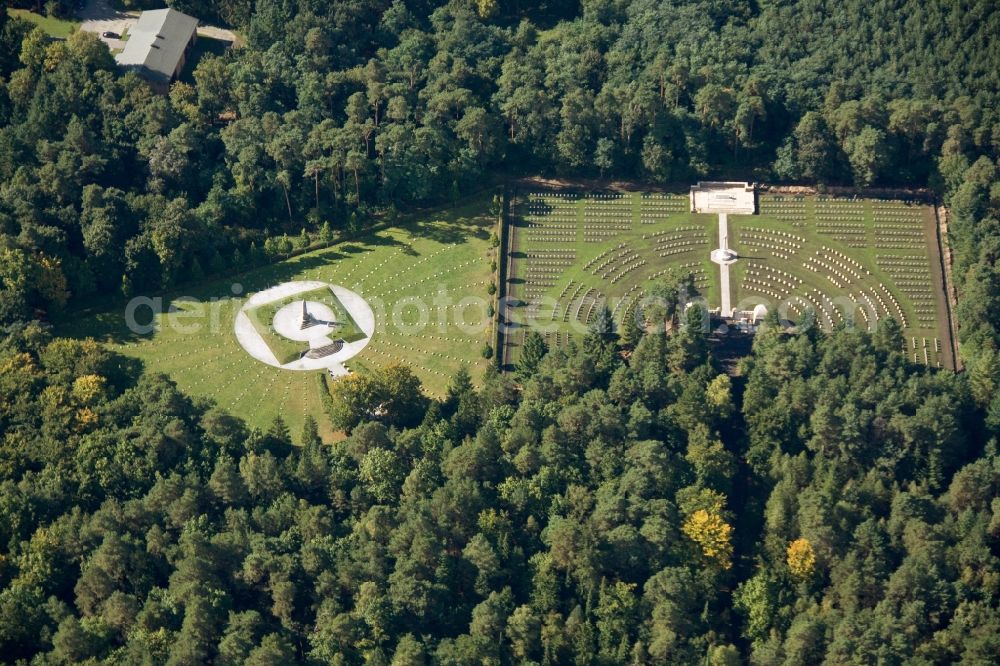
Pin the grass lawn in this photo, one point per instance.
(54, 27)
(571, 252)
(414, 277)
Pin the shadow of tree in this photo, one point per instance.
(450, 227)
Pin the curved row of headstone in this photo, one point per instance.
(672, 249)
(752, 285)
(587, 266)
(629, 295)
(780, 252)
(589, 294)
(626, 269)
(622, 255)
(899, 310)
(572, 299)
(777, 275)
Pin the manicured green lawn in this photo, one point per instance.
(58, 28)
(421, 270)
(578, 251)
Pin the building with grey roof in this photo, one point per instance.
(158, 46)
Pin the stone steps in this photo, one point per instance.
(325, 350)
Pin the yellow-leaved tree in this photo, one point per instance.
(801, 558)
(88, 389)
(712, 534)
(51, 282)
(486, 8)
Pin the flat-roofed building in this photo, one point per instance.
(158, 46)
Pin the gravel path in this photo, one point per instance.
(98, 16)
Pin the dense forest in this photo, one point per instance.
(624, 501)
(592, 511)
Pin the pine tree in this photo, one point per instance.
(313, 469)
(310, 431)
(326, 233)
(226, 482)
(533, 351)
(196, 273)
(631, 331)
(278, 432)
(217, 264)
(603, 325)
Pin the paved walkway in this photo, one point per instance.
(727, 306)
(725, 296)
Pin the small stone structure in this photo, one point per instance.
(735, 198)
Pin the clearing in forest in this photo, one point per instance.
(426, 283)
